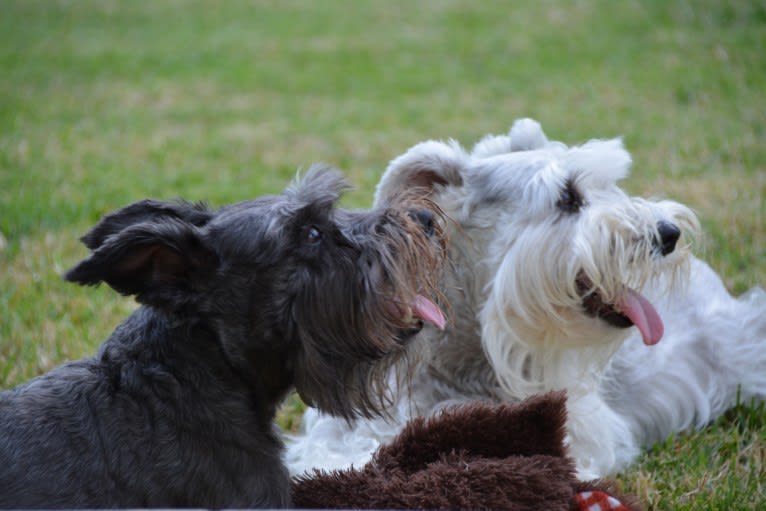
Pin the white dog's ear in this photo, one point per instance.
(425, 166)
(606, 161)
(525, 135)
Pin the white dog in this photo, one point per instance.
(552, 266)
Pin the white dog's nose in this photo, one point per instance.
(669, 234)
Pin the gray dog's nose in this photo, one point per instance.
(425, 218)
(669, 234)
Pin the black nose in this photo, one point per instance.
(669, 234)
(425, 218)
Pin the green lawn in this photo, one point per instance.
(106, 102)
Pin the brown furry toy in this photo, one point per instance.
(477, 456)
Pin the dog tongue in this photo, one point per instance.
(427, 310)
(643, 315)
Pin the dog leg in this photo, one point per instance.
(598, 438)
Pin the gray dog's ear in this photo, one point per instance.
(424, 166)
(321, 187)
(159, 261)
(145, 211)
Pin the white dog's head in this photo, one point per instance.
(567, 251)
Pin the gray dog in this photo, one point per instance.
(239, 306)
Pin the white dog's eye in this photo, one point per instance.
(570, 200)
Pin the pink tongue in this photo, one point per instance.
(427, 310)
(643, 315)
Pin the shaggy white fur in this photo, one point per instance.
(552, 267)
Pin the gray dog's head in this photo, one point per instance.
(297, 291)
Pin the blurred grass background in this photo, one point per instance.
(106, 102)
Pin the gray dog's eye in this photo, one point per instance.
(311, 235)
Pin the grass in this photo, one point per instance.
(720, 467)
(106, 102)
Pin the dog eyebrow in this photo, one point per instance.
(570, 199)
(310, 214)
